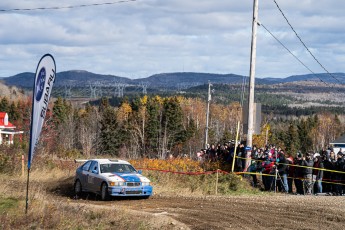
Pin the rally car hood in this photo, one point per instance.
(128, 177)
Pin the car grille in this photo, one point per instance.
(133, 192)
(133, 184)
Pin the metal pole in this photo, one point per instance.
(207, 113)
(27, 193)
(252, 79)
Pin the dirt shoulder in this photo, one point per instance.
(239, 212)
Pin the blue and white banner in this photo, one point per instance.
(44, 79)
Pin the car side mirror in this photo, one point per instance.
(95, 171)
(140, 171)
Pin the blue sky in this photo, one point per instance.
(145, 37)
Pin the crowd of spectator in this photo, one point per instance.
(272, 169)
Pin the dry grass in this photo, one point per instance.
(52, 207)
(199, 185)
(52, 204)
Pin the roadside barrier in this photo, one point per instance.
(328, 181)
(293, 165)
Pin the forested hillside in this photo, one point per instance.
(155, 126)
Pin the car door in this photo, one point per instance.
(93, 177)
(83, 175)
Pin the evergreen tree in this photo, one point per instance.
(112, 134)
(59, 111)
(4, 105)
(103, 105)
(153, 125)
(13, 112)
(191, 129)
(173, 122)
(292, 141)
(303, 134)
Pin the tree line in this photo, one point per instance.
(156, 127)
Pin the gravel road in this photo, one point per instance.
(242, 212)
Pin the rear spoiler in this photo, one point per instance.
(79, 161)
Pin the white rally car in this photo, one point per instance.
(110, 178)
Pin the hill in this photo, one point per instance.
(11, 92)
(73, 77)
(81, 78)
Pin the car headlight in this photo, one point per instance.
(116, 183)
(145, 183)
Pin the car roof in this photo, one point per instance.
(110, 161)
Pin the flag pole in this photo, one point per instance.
(43, 83)
(27, 192)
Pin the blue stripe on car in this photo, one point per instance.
(129, 177)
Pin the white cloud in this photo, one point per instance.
(137, 39)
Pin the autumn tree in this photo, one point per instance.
(88, 130)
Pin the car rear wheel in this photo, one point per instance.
(77, 188)
(104, 192)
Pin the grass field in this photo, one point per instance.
(52, 206)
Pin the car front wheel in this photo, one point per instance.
(104, 192)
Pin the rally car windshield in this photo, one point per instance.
(117, 168)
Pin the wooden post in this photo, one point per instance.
(252, 80)
(207, 113)
(217, 183)
(23, 166)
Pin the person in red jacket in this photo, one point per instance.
(267, 168)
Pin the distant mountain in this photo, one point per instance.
(337, 78)
(172, 80)
(83, 78)
(74, 77)
(11, 92)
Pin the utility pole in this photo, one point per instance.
(252, 79)
(207, 113)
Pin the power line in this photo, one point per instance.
(299, 60)
(66, 7)
(305, 44)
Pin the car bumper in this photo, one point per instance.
(130, 191)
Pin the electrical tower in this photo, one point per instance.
(68, 91)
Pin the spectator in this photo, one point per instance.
(267, 168)
(282, 170)
(339, 166)
(298, 174)
(327, 175)
(318, 174)
(212, 153)
(308, 174)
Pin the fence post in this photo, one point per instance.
(217, 183)
(23, 165)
